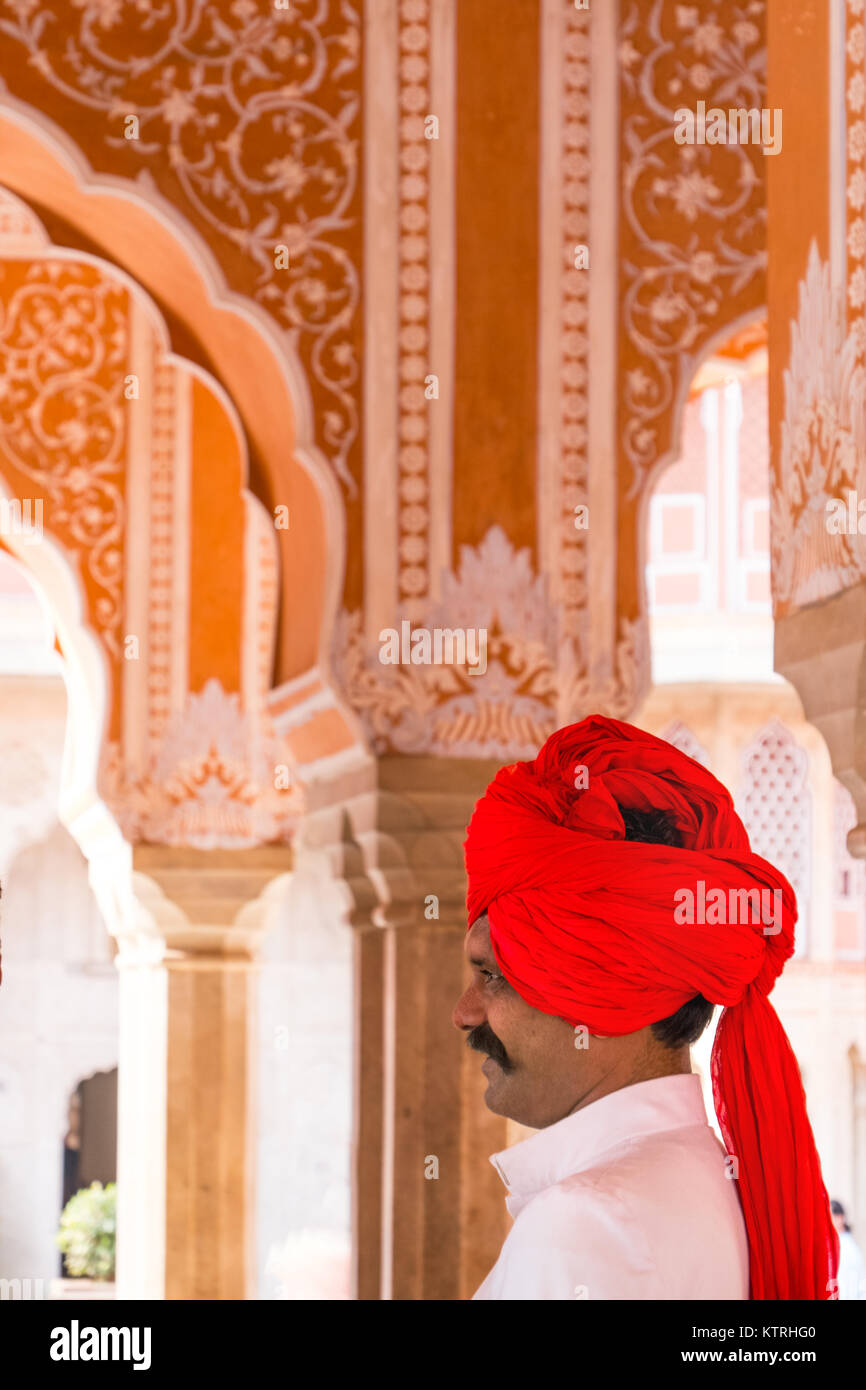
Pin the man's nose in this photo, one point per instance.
(469, 1010)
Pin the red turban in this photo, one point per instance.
(583, 926)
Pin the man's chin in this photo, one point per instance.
(497, 1087)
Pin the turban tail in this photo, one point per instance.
(584, 926)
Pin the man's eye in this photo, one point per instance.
(489, 975)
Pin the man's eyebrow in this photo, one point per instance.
(480, 960)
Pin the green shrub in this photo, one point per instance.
(87, 1232)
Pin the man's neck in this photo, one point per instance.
(662, 1061)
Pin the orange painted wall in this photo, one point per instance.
(216, 549)
(495, 404)
(798, 179)
(63, 426)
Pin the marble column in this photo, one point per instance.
(185, 1135)
(429, 1213)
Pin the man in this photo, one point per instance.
(593, 972)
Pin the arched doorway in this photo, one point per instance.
(60, 986)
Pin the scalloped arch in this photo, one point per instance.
(139, 232)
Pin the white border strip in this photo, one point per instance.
(604, 317)
(838, 160)
(135, 617)
(548, 499)
(443, 264)
(381, 314)
(180, 633)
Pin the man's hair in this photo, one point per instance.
(687, 1024)
(838, 1210)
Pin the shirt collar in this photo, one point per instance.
(574, 1143)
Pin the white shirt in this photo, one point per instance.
(852, 1270)
(626, 1198)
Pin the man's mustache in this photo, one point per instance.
(483, 1039)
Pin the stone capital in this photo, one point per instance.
(198, 906)
(393, 831)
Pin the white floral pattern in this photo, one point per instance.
(216, 91)
(695, 221)
(823, 451)
(535, 680)
(63, 355)
(210, 782)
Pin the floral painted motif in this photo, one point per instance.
(63, 358)
(210, 783)
(693, 220)
(823, 453)
(245, 117)
(535, 679)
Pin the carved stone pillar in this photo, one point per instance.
(429, 1213)
(821, 650)
(185, 1161)
(858, 1157)
(816, 336)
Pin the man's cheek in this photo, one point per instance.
(501, 1023)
